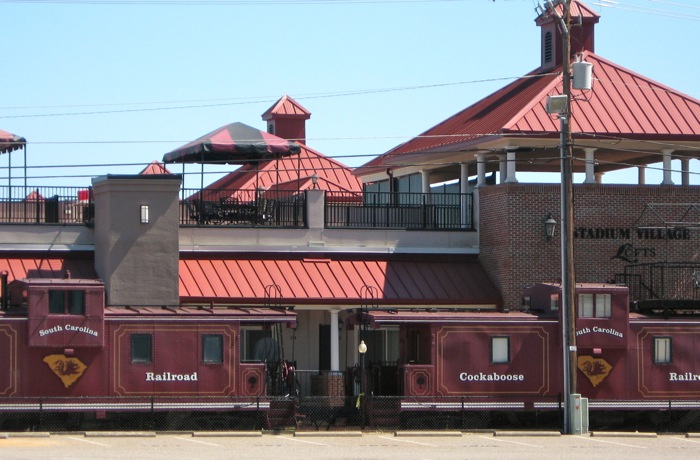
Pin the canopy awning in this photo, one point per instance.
(10, 142)
(235, 143)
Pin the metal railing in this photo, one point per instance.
(419, 211)
(243, 208)
(46, 205)
(667, 285)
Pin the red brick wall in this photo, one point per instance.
(515, 252)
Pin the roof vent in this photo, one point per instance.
(547, 51)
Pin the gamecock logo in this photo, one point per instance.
(596, 369)
(69, 370)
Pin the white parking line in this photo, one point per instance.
(685, 439)
(405, 440)
(511, 442)
(198, 442)
(301, 440)
(613, 442)
(89, 442)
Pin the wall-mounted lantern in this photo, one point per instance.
(549, 226)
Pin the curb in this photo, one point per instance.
(527, 433)
(227, 434)
(428, 433)
(26, 435)
(321, 434)
(120, 434)
(614, 434)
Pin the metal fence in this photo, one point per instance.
(243, 208)
(327, 413)
(667, 285)
(427, 211)
(50, 205)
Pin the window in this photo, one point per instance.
(602, 305)
(66, 302)
(382, 345)
(500, 350)
(213, 348)
(554, 302)
(662, 350)
(141, 348)
(258, 345)
(594, 305)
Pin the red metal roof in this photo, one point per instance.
(19, 267)
(379, 317)
(155, 167)
(623, 107)
(336, 279)
(332, 174)
(245, 315)
(286, 107)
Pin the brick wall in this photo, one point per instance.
(515, 252)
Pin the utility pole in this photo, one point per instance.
(563, 108)
(567, 218)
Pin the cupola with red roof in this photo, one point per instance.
(581, 31)
(287, 119)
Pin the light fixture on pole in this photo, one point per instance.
(549, 227)
(314, 180)
(362, 349)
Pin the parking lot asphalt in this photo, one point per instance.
(346, 445)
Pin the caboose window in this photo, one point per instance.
(141, 348)
(500, 350)
(662, 350)
(594, 305)
(66, 302)
(213, 348)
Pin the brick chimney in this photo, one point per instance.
(287, 119)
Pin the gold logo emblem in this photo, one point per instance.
(69, 370)
(596, 369)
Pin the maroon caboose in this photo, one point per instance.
(63, 350)
(475, 360)
(629, 360)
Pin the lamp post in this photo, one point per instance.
(362, 349)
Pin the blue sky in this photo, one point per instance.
(102, 83)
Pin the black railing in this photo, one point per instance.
(419, 211)
(662, 285)
(49, 205)
(242, 208)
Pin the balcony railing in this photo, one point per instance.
(419, 211)
(50, 205)
(254, 208)
(242, 208)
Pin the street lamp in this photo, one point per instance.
(362, 349)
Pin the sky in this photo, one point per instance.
(106, 87)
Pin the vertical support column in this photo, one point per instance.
(502, 170)
(425, 181)
(335, 341)
(641, 174)
(685, 171)
(510, 160)
(667, 167)
(590, 166)
(463, 190)
(480, 169)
